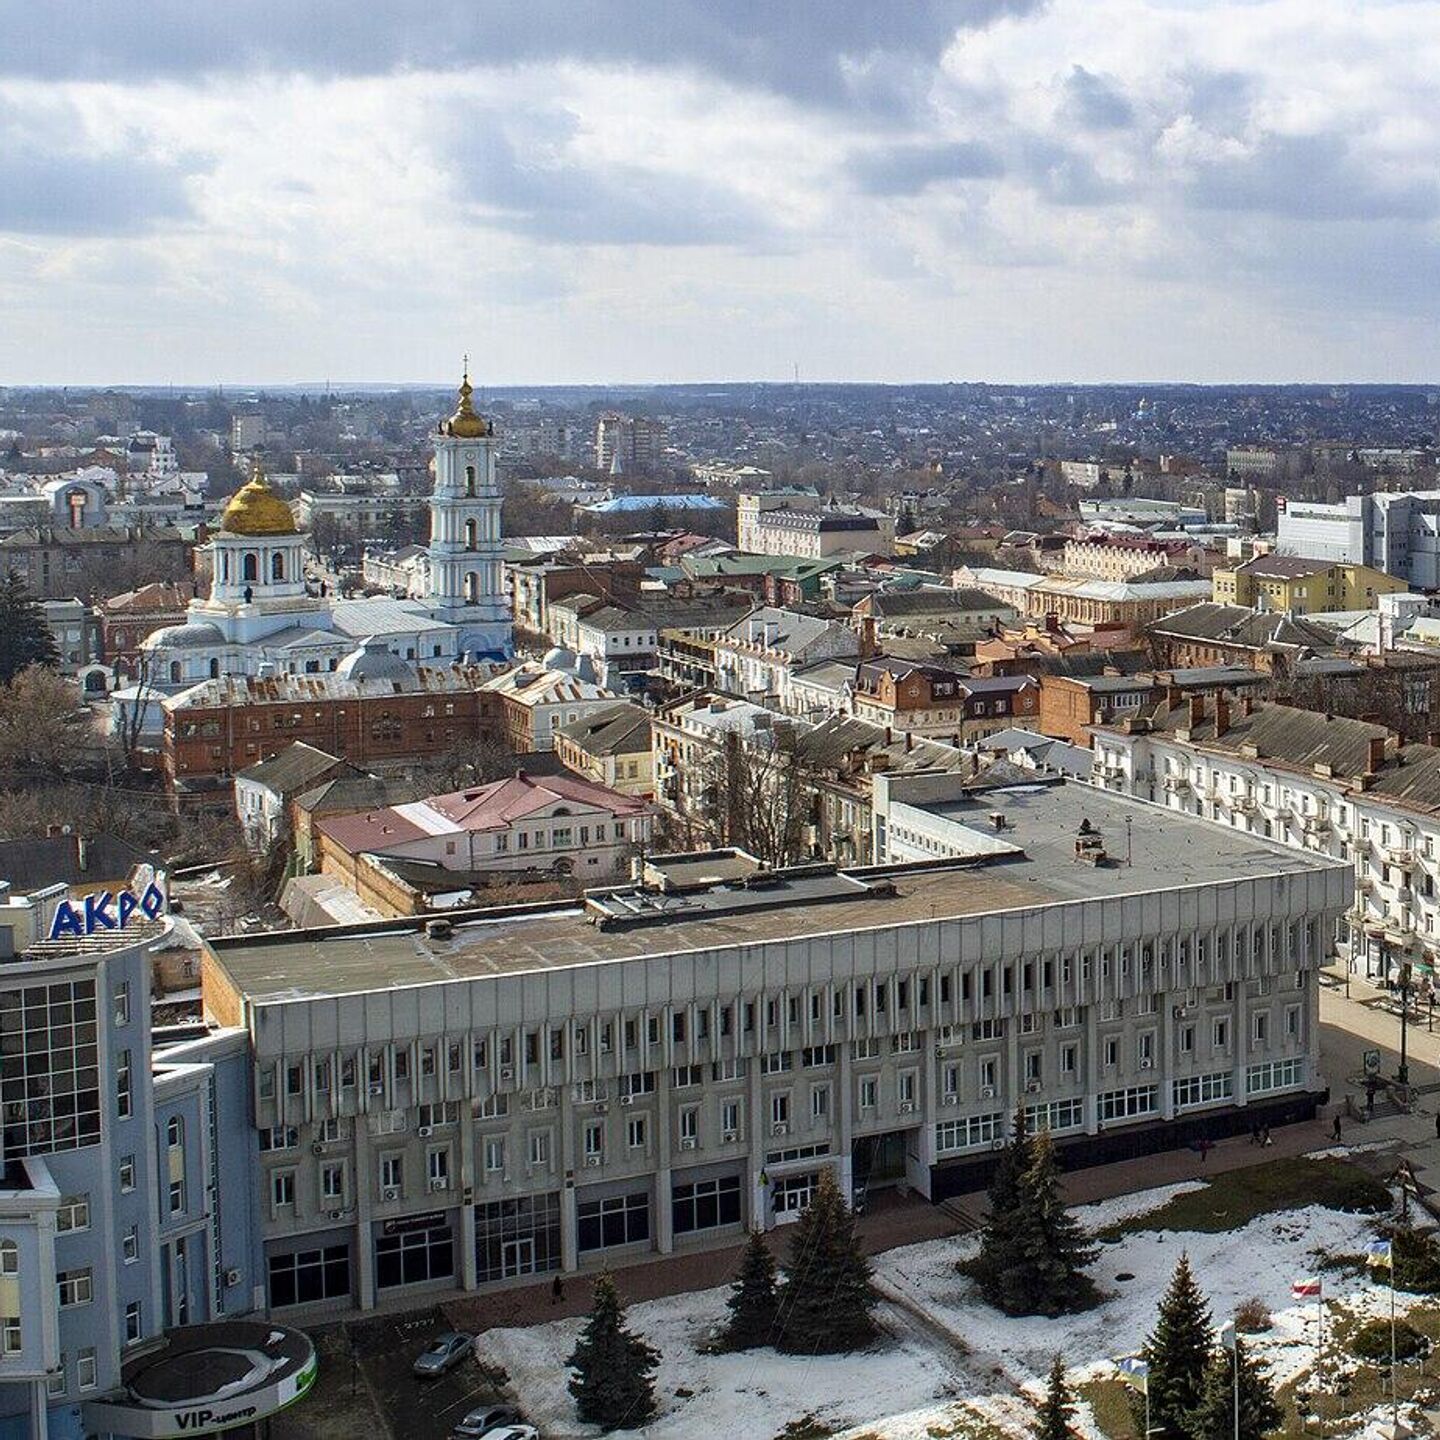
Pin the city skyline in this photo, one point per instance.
(1114, 191)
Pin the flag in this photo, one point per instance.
(1227, 1335)
(1134, 1368)
(1378, 1253)
(1307, 1288)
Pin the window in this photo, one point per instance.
(332, 1184)
(130, 1245)
(1069, 1059)
(1203, 1089)
(635, 1132)
(705, 1205)
(414, 1257)
(690, 1123)
(820, 1102)
(127, 1174)
(1122, 1104)
(906, 1083)
(122, 1017)
(85, 1368)
(687, 1075)
(1259, 1027)
(392, 1172)
(279, 1137)
(134, 1324)
(1056, 1115)
(780, 1108)
(310, 1275)
(1111, 1051)
(75, 1287)
(619, 1220)
(495, 1155)
(595, 1140)
(869, 1092)
(1274, 1075)
(970, 1132)
(282, 1188)
(437, 1167)
(1219, 1034)
(55, 1383)
(122, 1084)
(74, 1213)
(539, 1149)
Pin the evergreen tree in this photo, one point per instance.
(1178, 1353)
(1059, 1247)
(1000, 1238)
(826, 1303)
(1052, 1419)
(25, 639)
(1213, 1418)
(613, 1386)
(753, 1300)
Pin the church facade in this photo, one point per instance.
(262, 617)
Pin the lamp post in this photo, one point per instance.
(1403, 1073)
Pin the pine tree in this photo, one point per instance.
(1054, 1268)
(613, 1386)
(1000, 1238)
(1052, 1418)
(1213, 1418)
(826, 1303)
(753, 1299)
(25, 639)
(1178, 1353)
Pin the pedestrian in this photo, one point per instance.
(557, 1290)
(1370, 1099)
(1204, 1151)
(1265, 1135)
(1437, 1124)
(1335, 1127)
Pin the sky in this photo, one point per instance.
(622, 191)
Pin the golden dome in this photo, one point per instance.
(255, 509)
(465, 424)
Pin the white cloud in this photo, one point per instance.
(1095, 188)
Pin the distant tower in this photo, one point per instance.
(466, 585)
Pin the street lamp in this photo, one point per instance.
(1403, 1073)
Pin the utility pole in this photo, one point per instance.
(1403, 1073)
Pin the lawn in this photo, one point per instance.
(1236, 1197)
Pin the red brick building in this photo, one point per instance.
(219, 727)
(125, 620)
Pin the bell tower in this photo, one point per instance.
(466, 585)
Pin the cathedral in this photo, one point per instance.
(261, 616)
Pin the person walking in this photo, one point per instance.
(557, 1290)
(1335, 1126)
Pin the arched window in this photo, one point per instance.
(471, 534)
(174, 672)
(225, 566)
(277, 566)
(469, 479)
(250, 567)
(214, 669)
(472, 588)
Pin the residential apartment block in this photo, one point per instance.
(1301, 586)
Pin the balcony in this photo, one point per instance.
(1400, 856)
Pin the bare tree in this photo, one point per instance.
(44, 729)
(128, 717)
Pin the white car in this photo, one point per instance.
(513, 1432)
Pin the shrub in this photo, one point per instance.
(1372, 1341)
(1417, 1262)
(1252, 1316)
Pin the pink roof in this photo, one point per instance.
(373, 830)
(500, 803)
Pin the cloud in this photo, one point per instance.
(910, 167)
(55, 181)
(826, 53)
(1093, 102)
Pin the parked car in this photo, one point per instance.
(442, 1354)
(514, 1432)
(486, 1421)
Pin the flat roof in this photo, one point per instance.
(1166, 850)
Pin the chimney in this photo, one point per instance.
(1222, 713)
(1374, 754)
(909, 741)
(1197, 711)
(887, 734)
(867, 636)
(1173, 696)
(1247, 703)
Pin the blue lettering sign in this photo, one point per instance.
(96, 912)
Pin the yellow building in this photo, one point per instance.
(1304, 587)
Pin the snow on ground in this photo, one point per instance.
(950, 1360)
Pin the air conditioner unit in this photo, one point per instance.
(1179, 1011)
(987, 1092)
(594, 1161)
(627, 1099)
(601, 1108)
(232, 1276)
(1032, 1087)
(425, 1131)
(507, 1072)
(390, 1192)
(730, 1136)
(907, 1107)
(781, 1129)
(337, 1215)
(949, 1099)
(377, 1087)
(438, 1185)
(1147, 1063)
(687, 1142)
(317, 1148)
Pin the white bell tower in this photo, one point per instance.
(467, 584)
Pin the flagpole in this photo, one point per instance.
(1394, 1387)
(1320, 1351)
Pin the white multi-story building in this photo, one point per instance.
(1345, 790)
(1394, 531)
(676, 1059)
